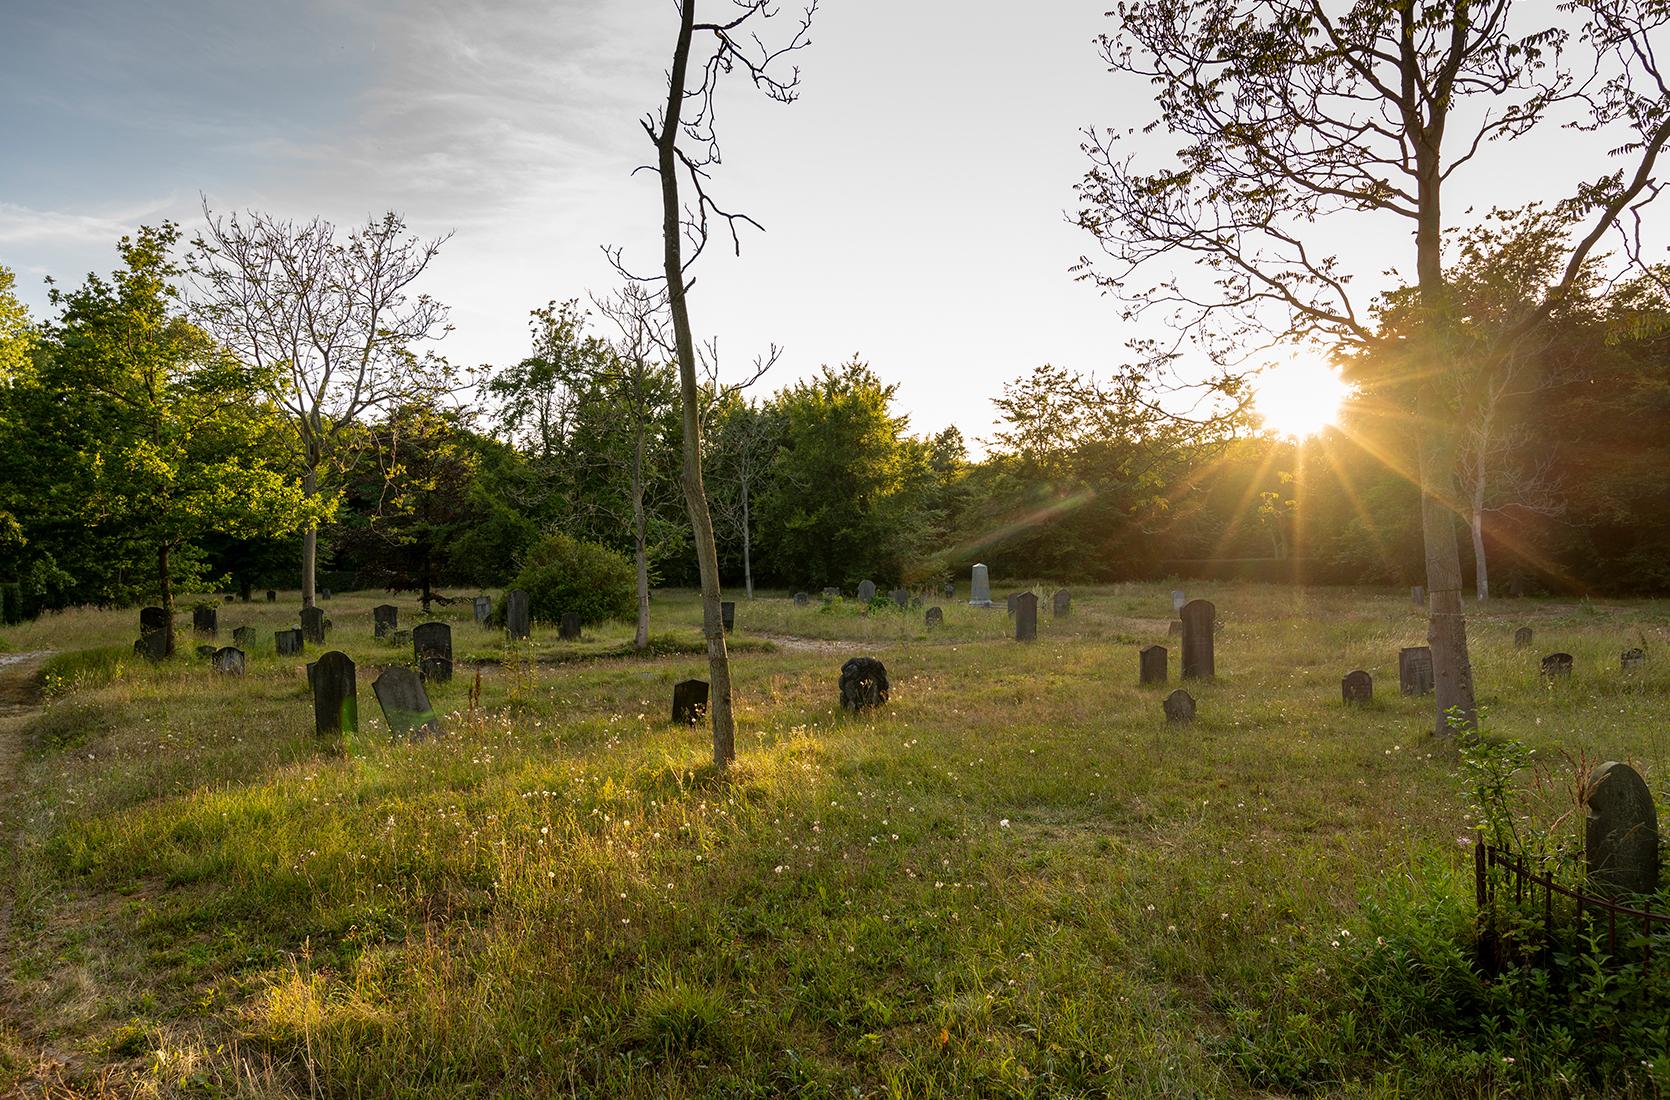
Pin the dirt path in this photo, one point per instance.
(795, 643)
(18, 701)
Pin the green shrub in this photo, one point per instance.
(562, 574)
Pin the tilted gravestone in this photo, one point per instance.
(1522, 638)
(863, 684)
(1061, 604)
(272, 596)
(289, 642)
(1026, 617)
(432, 646)
(1357, 687)
(802, 599)
(1556, 666)
(689, 702)
(1417, 595)
(1151, 664)
(866, 591)
(1180, 707)
(156, 634)
(313, 624)
(1199, 662)
(385, 619)
(405, 704)
(1414, 670)
(1620, 834)
(244, 638)
(229, 660)
(1632, 660)
(568, 627)
(727, 615)
(483, 607)
(1177, 602)
(516, 621)
(979, 587)
(935, 617)
(949, 591)
(901, 597)
(203, 622)
(335, 700)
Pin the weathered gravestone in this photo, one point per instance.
(313, 624)
(244, 638)
(272, 596)
(979, 587)
(516, 621)
(385, 619)
(1199, 661)
(228, 660)
(405, 704)
(289, 642)
(1414, 670)
(207, 649)
(863, 683)
(689, 702)
(831, 594)
(901, 597)
(1632, 660)
(1180, 707)
(1026, 617)
(1151, 664)
(156, 634)
(432, 646)
(1177, 602)
(1556, 666)
(1522, 638)
(204, 622)
(934, 618)
(1061, 605)
(400, 639)
(483, 607)
(335, 699)
(324, 593)
(1357, 687)
(1417, 595)
(803, 599)
(866, 591)
(1620, 834)
(727, 615)
(568, 627)
(949, 591)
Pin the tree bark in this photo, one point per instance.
(1446, 618)
(747, 546)
(695, 493)
(1481, 568)
(310, 539)
(639, 538)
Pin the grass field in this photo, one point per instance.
(1013, 880)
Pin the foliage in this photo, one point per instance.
(563, 574)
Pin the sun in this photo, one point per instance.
(1299, 398)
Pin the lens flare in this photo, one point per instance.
(1299, 398)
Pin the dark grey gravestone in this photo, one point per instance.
(243, 591)
(156, 634)
(1180, 707)
(689, 702)
(949, 591)
(1151, 664)
(203, 622)
(1632, 660)
(727, 615)
(568, 627)
(1026, 617)
(335, 699)
(272, 596)
(311, 665)
(1414, 670)
(432, 646)
(516, 621)
(866, 591)
(1199, 661)
(289, 642)
(400, 639)
(405, 704)
(385, 619)
(1062, 604)
(483, 606)
(324, 593)
(901, 597)
(229, 661)
(802, 599)
(1417, 595)
(1522, 638)
(244, 638)
(863, 684)
(1620, 835)
(313, 624)
(1556, 666)
(934, 618)
(1357, 687)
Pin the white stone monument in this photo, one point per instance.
(980, 587)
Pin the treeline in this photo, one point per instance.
(147, 455)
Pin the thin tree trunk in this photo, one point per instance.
(695, 493)
(1447, 620)
(310, 539)
(164, 585)
(639, 538)
(1481, 569)
(747, 545)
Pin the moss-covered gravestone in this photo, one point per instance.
(406, 706)
(1620, 835)
(866, 591)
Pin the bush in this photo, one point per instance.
(562, 574)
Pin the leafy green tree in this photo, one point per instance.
(563, 574)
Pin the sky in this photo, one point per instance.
(916, 199)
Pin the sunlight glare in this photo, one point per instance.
(1299, 398)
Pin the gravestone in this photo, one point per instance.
(1414, 670)
(727, 615)
(156, 634)
(866, 591)
(483, 606)
(934, 618)
(244, 638)
(311, 665)
(272, 596)
(324, 593)
(1062, 604)
(1177, 602)
(949, 591)
(1151, 664)
(1180, 707)
(689, 702)
(1417, 595)
(206, 650)
(229, 661)
(406, 706)
(243, 591)
(1199, 661)
(1556, 666)
(863, 684)
(385, 619)
(313, 624)
(1012, 601)
(979, 587)
(831, 594)
(289, 642)
(516, 621)
(901, 597)
(204, 622)
(432, 646)
(1632, 660)
(802, 599)
(1522, 638)
(1357, 687)
(1026, 617)
(568, 627)
(1174, 629)
(335, 701)
(1620, 834)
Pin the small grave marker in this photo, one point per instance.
(1556, 666)
(244, 638)
(1522, 638)
(1620, 834)
(802, 599)
(1357, 687)
(228, 661)
(385, 619)
(1414, 670)
(979, 587)
(689, 702)
(727, 615)
(483, 608)
(156, 634)
(313, 624)
(406, 706)
(1026, 617)
(568, 628)
(516, 621)
(1180, 707)
(1061, 606)
(1177, 602)
(432, 646)
(1151, 664)
(272, 596)
(901, 597)
(335, 705)
(863, 684)
(934, 618)
(288, 642)
(949, 591)
(204, 621)
(1417, 595)
(866, 591)
(1632, 660)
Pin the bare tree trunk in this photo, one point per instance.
(639, 538)
(747, 546)
(1481, 569)
(310, 540)
(1447, 620)
(695, 494)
